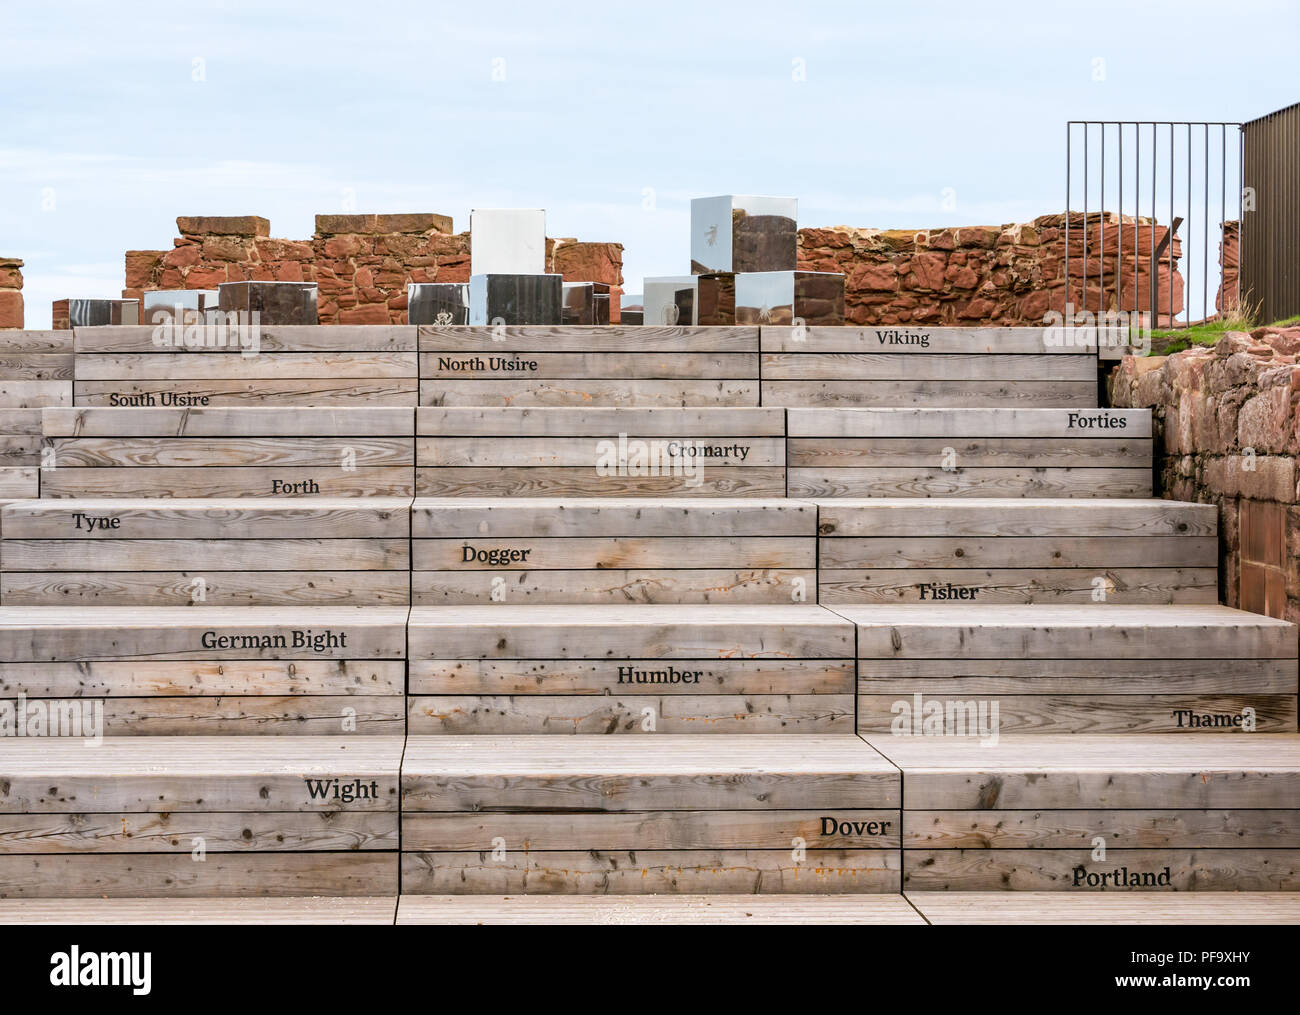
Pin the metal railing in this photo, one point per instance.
(1131, 172)
(1270, 242)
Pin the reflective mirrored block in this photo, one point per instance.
(184, 304)
(507, 241)
(740, 232)
(781, 297)
(437, 303)
(273, 302)
(515, 299)
(585, 303)
(631, 308)
(99, 313)
(716, 298)
(669, 300)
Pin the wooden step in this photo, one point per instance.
(588, 366)
(36, 370)
(20, 453)
(672, 815)
(1089, 813)
(654, 910)
(301, 365)
(128, 912)
(342, 551)
(199, 817)
(1129, 908)
(987, 551)
(997, 452)
(630, 669)
(606, 452)
(228, 452)
(611, 551)
(1196, 670)
(169, 671)
(924, 367)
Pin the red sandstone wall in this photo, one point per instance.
(1230, 264)
(1228, 433)
(11, 292)
(992, 275)
(361, 263)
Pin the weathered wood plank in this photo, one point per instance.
(1028, 517)
(601, 587)
(967, 452)
(524, 367)
(170, 875)
(1080, 585)
(1068, 712)
(1128, 908)
(132, 832)
(228, 422)
(147, 677)
(20, 394)
(233, 366)
(258, 715)
(1012, 423)
(71, 634)
(510, 481)
(599, 677)
(35, 341)
(600, 422)
(216, 518)
(29, 366)
(577, 452)
(392, 391)
(654, 910)
(1075, 829)
(1051, 394)
(682, 772)
(51, 555)
(593, 338)
(276, 338)
(589, 392)
(926, 341)
(195, 452)
(617, 632)
(1038, 870)
(545, 517)
(19, 482)
(890, 366)
(832, 829)
(174, 774)
(982, 483)
(361, 909)
(970, 631)
(961, 677)
(964, 550)
(652, 872)
(1210, 772)
(613, 552)
(218, 588)
(601, 714)
(203, 483)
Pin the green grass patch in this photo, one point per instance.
(1165, 341)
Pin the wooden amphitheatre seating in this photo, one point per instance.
(617, 623)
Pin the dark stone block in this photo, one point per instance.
(515, 299)
(273, 302)
(438, 303)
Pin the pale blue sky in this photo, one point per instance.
(106, 135)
